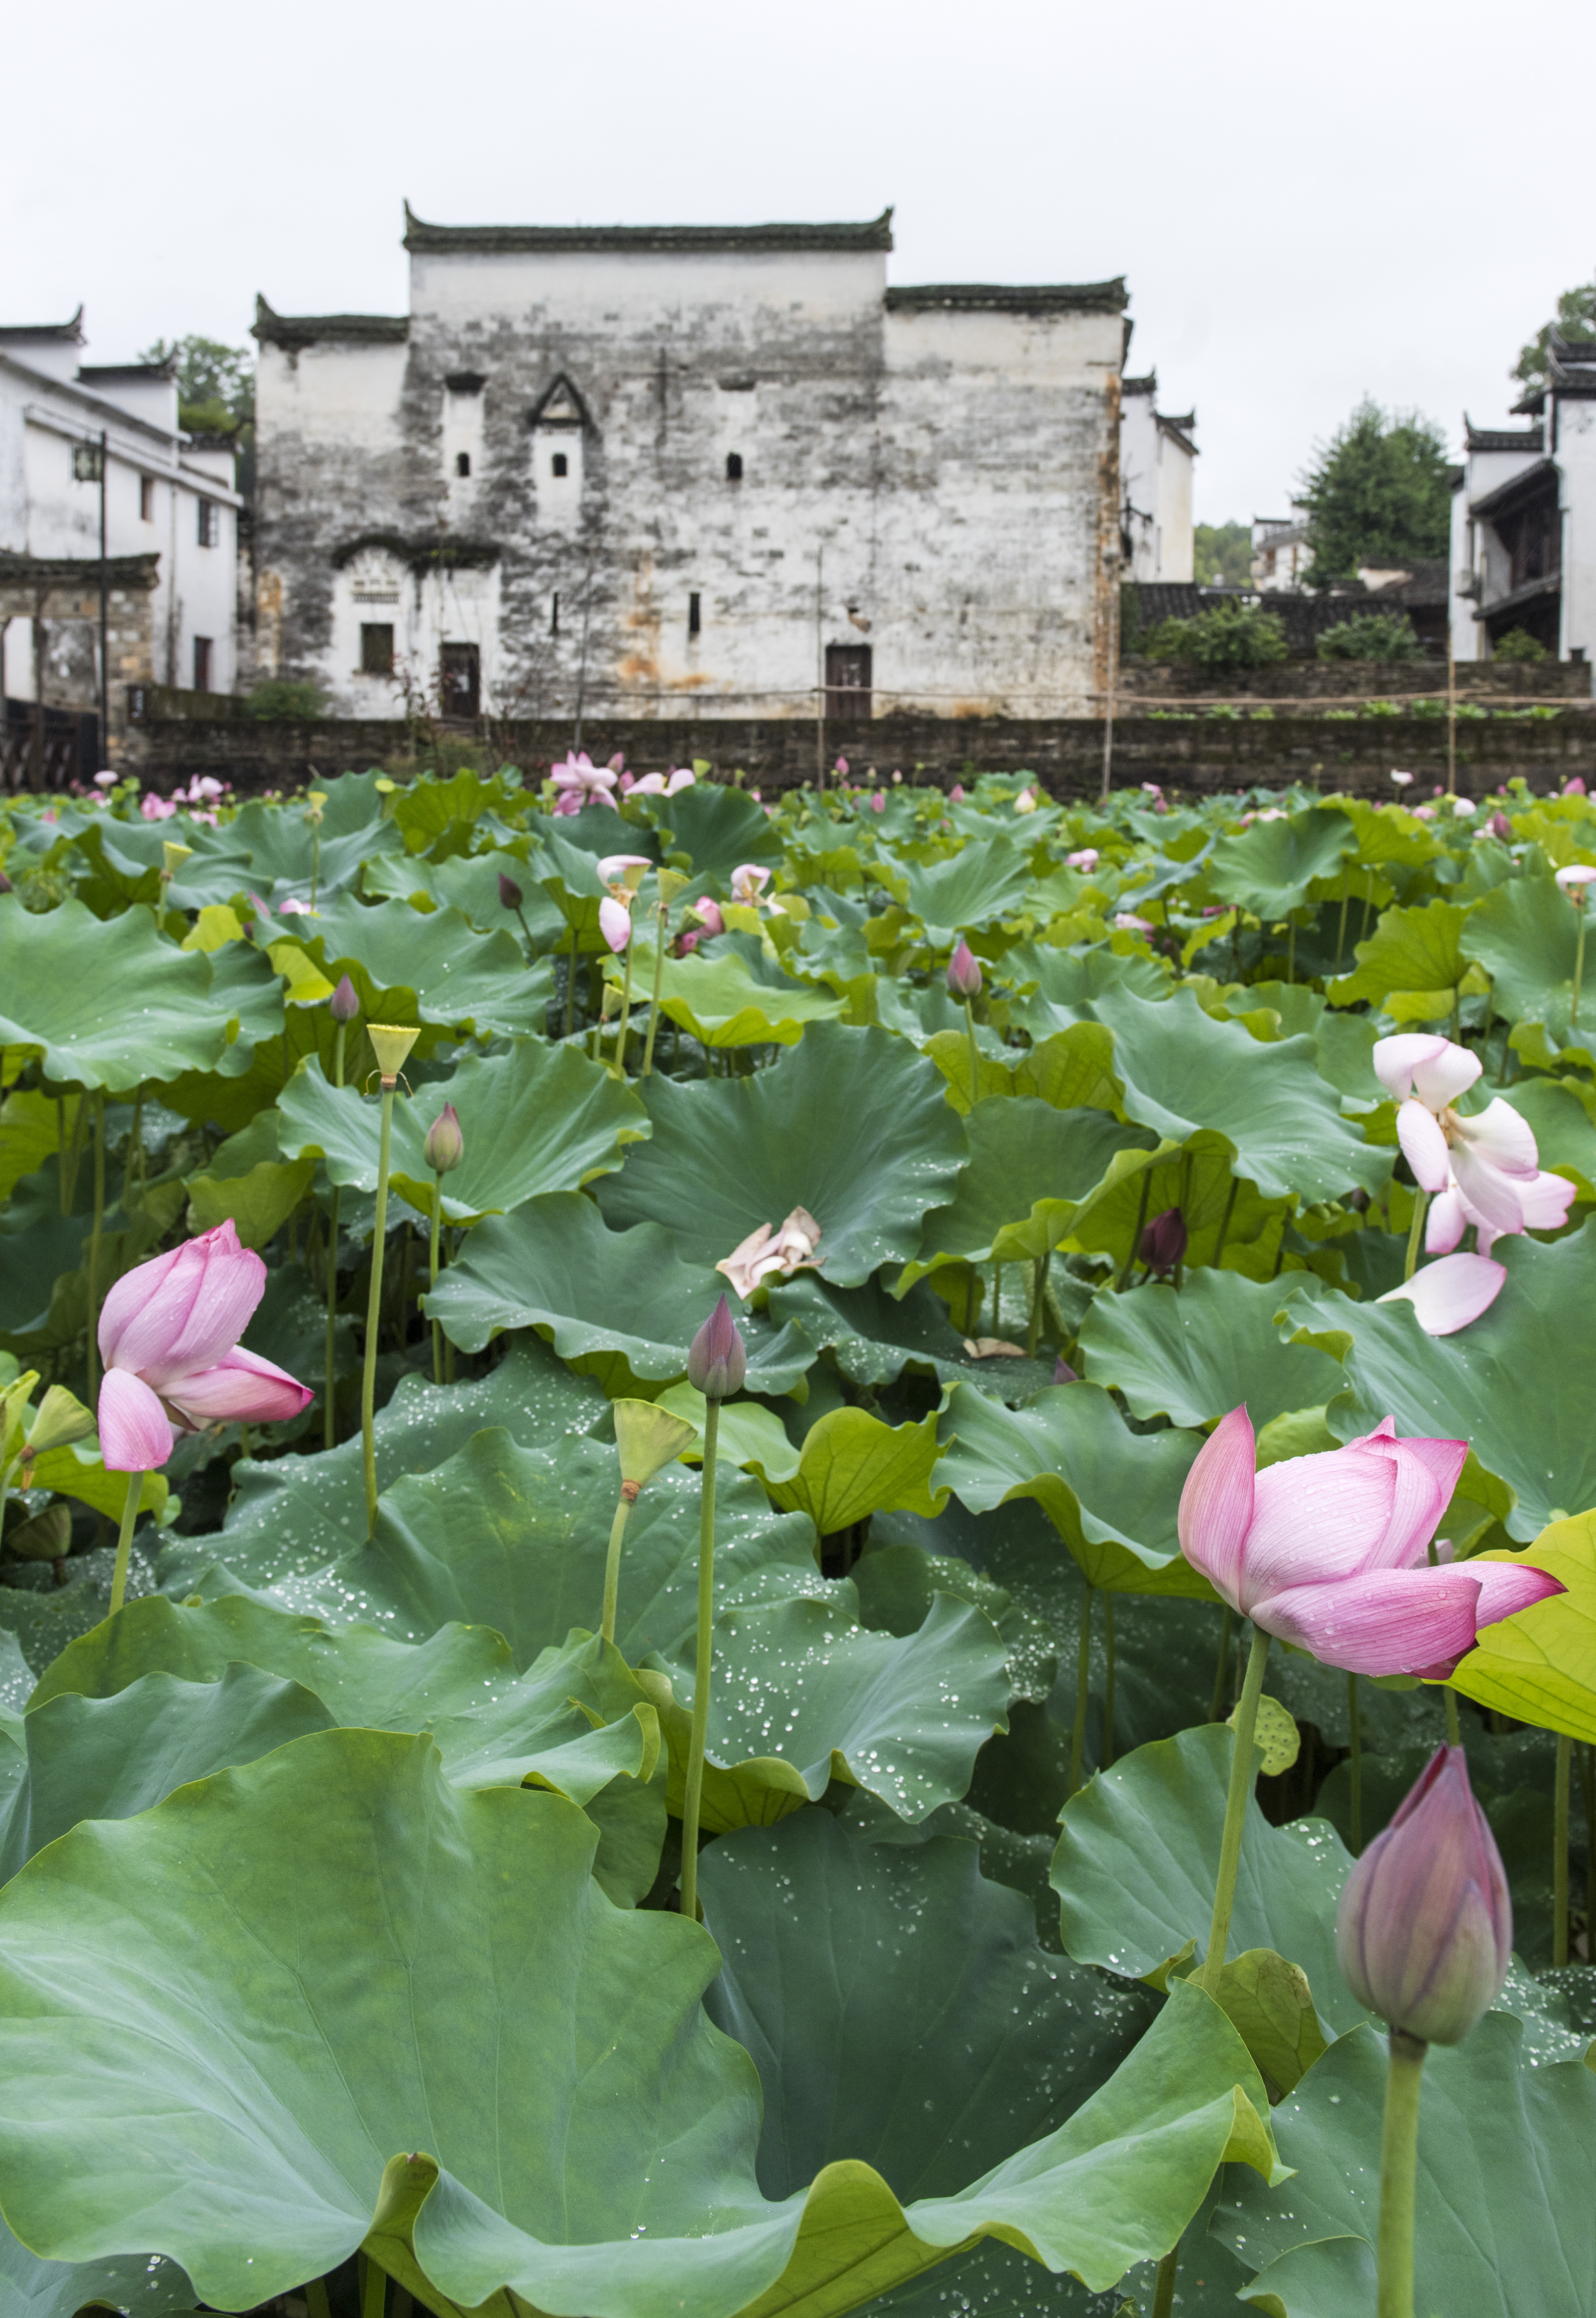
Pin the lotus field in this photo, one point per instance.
(790, 1558)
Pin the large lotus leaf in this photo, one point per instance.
(1505, 2225)
(453, 975)
(144, 2286)
(732, 995)
(1073, 1069)
(1111, 1494)
(849, 1124)
(1514, 1383)
(1526, 936)
(1068, 980)
(469, 884)
(1411, 952)
(429, 810)
(111, 1004)
(718, 828)
(299, 1513)
(1564, 1129)
(535, 1119)
(976, 884)
(747, 1433)
(1135, 1863)
(1270, 868)
(623, 1303)
(100, 1757)
(265, 848)
(1540, 1665)
(1033, 1170)
(898, 2006)
(29, 1131)
(851, 1465)
(494, 1727)
(1193, 1355)
(875, 1336)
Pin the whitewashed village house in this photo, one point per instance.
(1156, 453)
(690, 469)
(1282, 552)
(93, 466)
(1524, 519)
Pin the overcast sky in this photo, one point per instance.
(1308, 203)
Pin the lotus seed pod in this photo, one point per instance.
(61, 1420)
(390, 1043)
(648, 1438)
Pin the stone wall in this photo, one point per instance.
(1345, 679)
(50, 613)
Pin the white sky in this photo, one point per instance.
(1309, 202)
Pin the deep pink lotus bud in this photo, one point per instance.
(1500, 826)
(1163, 1243)
(1425, 1927)
(955, 794)
(717, 1359)
(842, 768)
(169, 1336)
(343, 1005)
(510, 896)
(963, 972)
(444, 1147)
(708, 914)
(1575, 787)
(615, 922)
(1062, 1374)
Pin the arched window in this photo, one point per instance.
(734, 466)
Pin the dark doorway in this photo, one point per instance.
(460, 681)
(847, 683)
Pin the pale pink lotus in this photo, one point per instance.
(581, 782)
(623, 873)
(708, 913)
(749, 882)
(1450, 1293)
(766, 1254)
(681, 777)
(169, 1336)
(1483, 1170)
(1085, 860)
(1329, 1552)
(615, 922)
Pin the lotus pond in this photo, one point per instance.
(355, 1683)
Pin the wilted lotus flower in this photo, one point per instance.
(510, 896)
(622, 873)
(717, 1358)
(1325, 1551)
(168, 1337)
(444, 1147)
(763, 1253)
(1483, 1170)
(615, 922)
(1163, 1243)
(1450, 1293)
(343, 1005)
(963, 972)
(1425, 1927)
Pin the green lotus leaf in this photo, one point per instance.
(876, 1336)
(76, 1471)
(1504, 2222)
(1410, 951)
(1226, 1216)
(621, 1303)
(851, 1465)
(452, 976)
(747, 1433)
(1073, 1069)
(981, 882)
(1526, 936)
(469, 884)
(249, 1180)
(1507, 1383)
(1195, 1355)
(729, 996)
(535, 1119)
(429, 810)
(144, 2286)
(1135, 1862)
(113, 1005)
(28, 1133)
(1033, 1170)
(1271, 868)
(265, 847)
(463, 1991)
(718, 828)
(1561, 1121)
(298, 1514)
(567, 874)
(849, 1124)
(1111, 1494)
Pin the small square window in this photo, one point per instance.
(208, 531)
(734, 466)
(462, 462)
(147, 499)
(376, 648)
(560, 464)
(203, 656)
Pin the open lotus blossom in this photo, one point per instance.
(1402, 779)
(1449, 1293)
(581, 782)
(681, 777)
(1483, 1170)
(764, 1254)
(1328, 1551)
(748, 889)
(1086, 859)
(169, 1336)
(1464, 808)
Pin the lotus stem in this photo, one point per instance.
(1222, 1664)
(373, 2287)
(97, 1229)
(1083, 1691)
(124, 1541)
(1416, 1231)
(1340, 937)
(1106, 1752)
(612, 1566)
(974, 1054)
(1579, 970)
(997, 1299)
(619, 1065)
(1123, 1279)
(1291, 951)
(135, 1147)
(1038, 1301)
(1164, 2291)
(72, 1152)
(368, 1383)
(1239, 1795)
(701, 1669)
(1354, 1768)
(1229, 1209)
(570, 984)
(661, 939)
(1399, 2166)
(1565, 1772)
(1449, 1708)
(315, 863)
(432, 1274)
(329, 1413)
(316, 2298)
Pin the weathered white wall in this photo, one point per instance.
(1156, 488)
(1575, 447)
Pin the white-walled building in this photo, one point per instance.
(1155, 461)
(170, 519)
(690, 469)
(1281, 550)
(1524, 519)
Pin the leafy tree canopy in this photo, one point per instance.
(1576, 319)
(1377, 493)
(1222, 554)
(215, 383)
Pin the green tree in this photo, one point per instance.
(215, 383)
(1222, 554)
(1379, 492)
(1576, 319)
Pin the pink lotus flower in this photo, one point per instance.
(152, 808)
(1449, 1294)
(1483, 1170)
(1573, 881)
(841, 768)
(1328, 1551)
(1423, 813)
(1086, 860)
(1402, 779)
(1575, 787)
(294, 908)
(662, 784)
(955, 794)
(764, 1254)
(1126, 922)
(878, 803)
(708, 913)
(614, 869)
(107, 780)
(748, 889)
(615, 922)
(169, 1338)
(581, 782)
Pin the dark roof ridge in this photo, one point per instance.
(871, 234)
(71, 330)
(1110, 297)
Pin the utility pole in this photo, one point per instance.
(1113, 673)
(819, 649)
(1451, 711)
(104, 623)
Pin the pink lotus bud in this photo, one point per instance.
(1425, 1927)
(1163, 1243)
(708, 914)
(842, 768)
(510, 896)
(1575, 787)
(343, 1005)
(963, 972)
(5, 884)
(1500, 826)
(957, 793)
(1062, 1374)
(717, 1359)
(618, 761)
(444, 1147)
(878, 803)
(615, 922)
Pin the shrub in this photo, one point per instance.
(282, 699)
(1231, 635)
(1518, 644)
(1371, 635)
